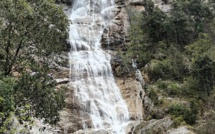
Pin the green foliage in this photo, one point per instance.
(30, 28)
(37, 91)
(178, 121)
(208, 126)
(137, 46)
(178, 109)
(203, 72)
(191, 116)
(7, 104)
(31, 32)
(190, 88)
(181, 31)
(168, 64)
(160, 69)
(201, 12)
(186, 21)
(153, 95)
(188, 114)
(154, 25)
(32, 95)
(200, 47)
(176, 51)
(174, 88)
(198, 15)
(149, 5)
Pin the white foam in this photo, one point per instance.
(90, 69)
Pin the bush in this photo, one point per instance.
(162, 84)
(189, 87)
(173, 88)
(203, 72)
(169, 87)
(153, 95)
(178, 121)
(188, 114)
(208, 127)
(178, 110)
(160, 69)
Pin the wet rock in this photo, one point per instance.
(62, 81)
(92, 131)
(115, 35)
(72, 120)
(117, 66)
(67, 46)
(132, 93)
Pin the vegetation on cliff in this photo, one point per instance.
(31, 33)
(176, 51)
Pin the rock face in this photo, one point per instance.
(70, 117)
(180, 130)
(133, 94)
(154, 126)
(115, 33)
(164, 6)
(114, 38)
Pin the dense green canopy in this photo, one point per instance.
(31, 33)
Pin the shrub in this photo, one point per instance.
(178, 121)
(173, 88)
(169, 87)
(203, 72)
(190, 86)
(161, 84)
(188, 114)
(208, 127)
(153, 95)
(178, 109)
(160, 69)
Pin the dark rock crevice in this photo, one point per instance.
(67, 2)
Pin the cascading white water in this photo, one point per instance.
(90, 70)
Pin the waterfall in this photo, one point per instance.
(91, 78)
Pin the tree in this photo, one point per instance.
(195, 17)
(203, 71)
(31, 32)
(153, 25)
(7, 104)
(38, 91)
(201, 13)
(181, 32)
(29, 27)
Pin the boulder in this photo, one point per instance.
(180, 130)
(154, 126)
